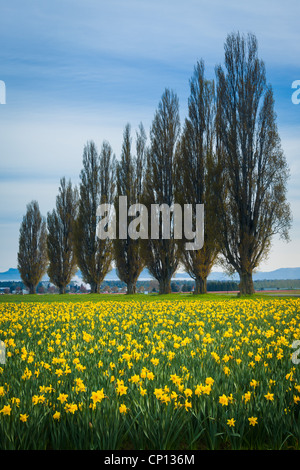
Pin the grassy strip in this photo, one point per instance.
(49, 298)
(15, 298)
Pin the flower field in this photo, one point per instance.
(186, 374)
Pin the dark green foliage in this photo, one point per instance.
(94, 255)
(32, 255)
(196, 175)
(161, 255)
(130, 178)
(252, 204)
(60, 240)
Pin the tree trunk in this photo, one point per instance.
(131, 288)
(246, 284)
(95, 288)
(200, 286)
(62, 290)
(32, 289)
(165, 286)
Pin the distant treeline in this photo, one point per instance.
(277, 284)
(152, 286)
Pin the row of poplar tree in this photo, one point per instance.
(227, 155)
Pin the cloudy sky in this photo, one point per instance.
(77, 70)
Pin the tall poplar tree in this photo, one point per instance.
(161, 255)
(60, 239)
(32, 255)
(94, 255)
(129, 181)
(252, 205)
(196, 175)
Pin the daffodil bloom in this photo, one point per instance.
(231, 422)
(206, 389)
(171, 355)
(187, 405)
(27, 374)
(38, 399)
(252, 421)
(71, 407)
(123, 408)
(199, 390)
(223, 400)
(56, 415)
(165, 398)
(98, 396)
(121, 390)
(246, 397)
(135, 379)
(62, 397)
(24, 417)
(16, 401)
(158, 392)
(79, 385)
(6, 410)
(209, 381)
(175, 379)
(230, 398)
(270, 396)
(289, 376)
(155, 361)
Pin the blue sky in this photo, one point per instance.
(78, 70)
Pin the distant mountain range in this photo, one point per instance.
(283, 273)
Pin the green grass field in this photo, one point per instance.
(143, 297)
(105, 297)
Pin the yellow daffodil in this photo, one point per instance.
(24, 417)
(123, 409)
(252, 421)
